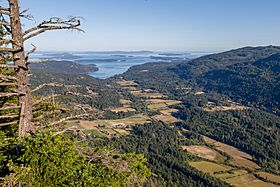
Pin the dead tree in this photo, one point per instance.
(11, 20)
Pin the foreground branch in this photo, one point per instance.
(9, 117)
(9, 94)
(52, 24)
(9, 108)
(7, 124)
(8, 66)
(8, 78)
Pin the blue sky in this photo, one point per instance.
(169, 25)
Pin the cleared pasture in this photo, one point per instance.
(269, 177)
(169, 111)
(205, 152)
(248, 180)
(230, 174)
(126, 83)
(210, 167)
(240, 158)
(123, 109)
(165, 118)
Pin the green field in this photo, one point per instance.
(210, 167)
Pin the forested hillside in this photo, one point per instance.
(214, 88)
(248, 75)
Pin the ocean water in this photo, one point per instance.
(115, 62)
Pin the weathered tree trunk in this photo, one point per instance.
(25, 101)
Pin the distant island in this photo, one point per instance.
(65, 67)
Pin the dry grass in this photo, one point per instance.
(210, 167)
(125, 101)
(111, 128)
(156, 104)
(231, 174)
(224, 108)
(130, 88)
(169, 111)
(167, 102)
(211, 107)
(269, 177)
(239, 158)
(166, 118)
(123, 109)
(129, 121)
(155, 107)
(248, 180)
(127, 83)
(205, 152)
(147, 94)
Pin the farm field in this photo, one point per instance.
(231, 174)
(154, 100)
(240, 158)
(210, 167)
(211, 107)
(126, 83)
(165, 118)
(125, 102)
(110, 128)
(248, 180)
(136, 119)
(235, 177)
(168, 111)
(269, 177)
(123, 109)
(156, 104)
(205, 152)
(149, 95)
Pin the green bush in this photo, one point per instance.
(49, 159)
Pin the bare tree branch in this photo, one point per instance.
(4, 9)
(2, 22)
(8, 78)
(8, 50)
(9, 116)
(26, 16)
(9, 108)
(53, 24)
(31, 51)
(8, 66)
(7, 124)
(5, 42)
(9, 94)
(8, 84)
(5, 12)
